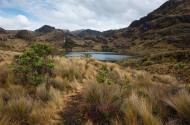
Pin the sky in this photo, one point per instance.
(74, 14)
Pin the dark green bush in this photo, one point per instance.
(180, 65)
(110, 76)
(103, 75)
(34, 65)
(87, 55)
(148, 63)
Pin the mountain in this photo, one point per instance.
(45, 29)
(2, 31)
(165, 29)
(87, 33)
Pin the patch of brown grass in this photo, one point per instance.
(104, 104)
(181, 103)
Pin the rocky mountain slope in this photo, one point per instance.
(2, 31)
(87, 33)
(45, 29)
(17, 40)
(165, 29)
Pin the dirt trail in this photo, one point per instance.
(71, 114)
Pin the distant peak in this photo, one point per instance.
(45, 29)
(2, 30)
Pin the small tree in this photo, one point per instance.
(34, 66)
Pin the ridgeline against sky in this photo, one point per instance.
(73, 14)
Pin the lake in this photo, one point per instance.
(102, 56)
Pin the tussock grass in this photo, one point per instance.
(4, 72)
(44, 94)
(181, 103)
(106, 94)
(70, 68)
(144, 109)
(17, 111)
(104, 104)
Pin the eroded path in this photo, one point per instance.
(71, 112)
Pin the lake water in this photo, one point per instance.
(102, 56)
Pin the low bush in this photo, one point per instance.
(107, 75)
(34, 65)
(87, 55)
(180, 65)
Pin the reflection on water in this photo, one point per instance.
(103, 56)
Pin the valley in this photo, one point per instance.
(137, 75)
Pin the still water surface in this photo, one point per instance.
(103, 56)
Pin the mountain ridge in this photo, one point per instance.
(164, 29)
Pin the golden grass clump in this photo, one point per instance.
(4, 72)
(181, 103)
(17, 111)
(61, 83)
(44, 94)
(140, 107)
(70, 68)
(103, 104)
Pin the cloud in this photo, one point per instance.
(15, 22)
(22, 20)
(78, 14)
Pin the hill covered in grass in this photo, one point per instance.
(84, 91)
(39, 86)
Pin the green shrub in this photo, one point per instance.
(103, 75)
(180, 65)
(148, 62)
(87, 55)
(111, 76)
(33, 65)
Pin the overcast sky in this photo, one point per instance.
(74, 14)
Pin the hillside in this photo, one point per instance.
(65, 40)
(39, 85)
(34, 91)
(165, 29)
(87, 33)
(2, 31)
(45, 29)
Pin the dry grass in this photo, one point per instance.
(4, 70)
(133, 97)
(70, 68)
(181, 103)
(18, 107)
(144, 109)
(103, 104)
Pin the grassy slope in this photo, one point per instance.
(139, 94)
(175, 63)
